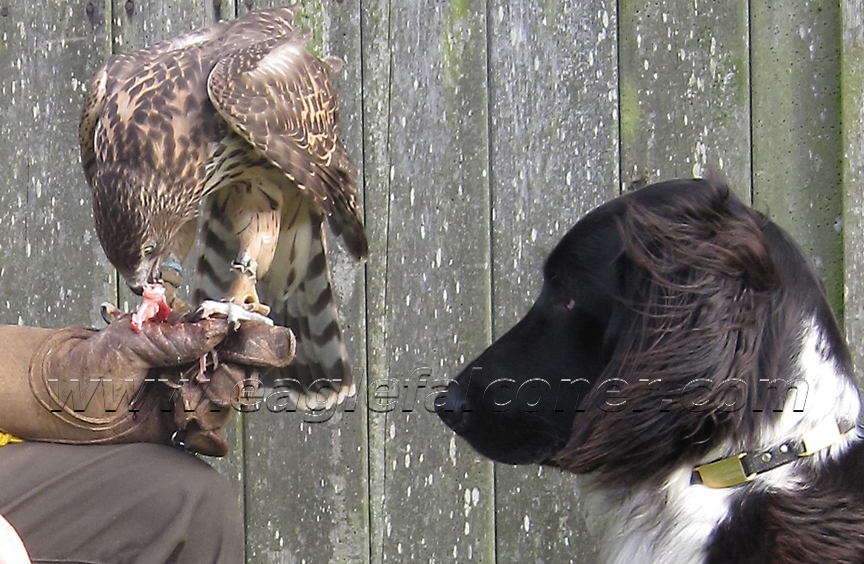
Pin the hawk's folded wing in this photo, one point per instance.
(301, 136)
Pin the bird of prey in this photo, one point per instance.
(240, 116)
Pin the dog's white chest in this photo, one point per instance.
(652, 527)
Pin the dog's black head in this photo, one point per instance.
(655, 308)
(516, 402)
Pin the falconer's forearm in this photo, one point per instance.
(77, 385)
(83, 386)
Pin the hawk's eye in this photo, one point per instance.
(148, 249)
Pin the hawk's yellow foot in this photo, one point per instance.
(233, 312)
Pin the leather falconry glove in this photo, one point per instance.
(86, 386)
(203, 406)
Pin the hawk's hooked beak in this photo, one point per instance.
(154, 276)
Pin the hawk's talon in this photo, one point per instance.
(252, 304)
(110, 312)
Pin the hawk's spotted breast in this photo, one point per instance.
(242, 116)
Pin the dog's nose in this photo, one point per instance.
(452, 406)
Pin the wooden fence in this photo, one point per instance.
(483, 130)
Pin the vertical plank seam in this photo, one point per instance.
(839, 145)
(386, 258)
(366, 281)
(489, 171)
(845, 164)
(619, 188)
(490, 278)
(26, 218)
(244, 472)
(389, 160)
(751, 125)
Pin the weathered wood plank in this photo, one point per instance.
(138, 23)
(852, 97)
(554, 156)
(306, 489)
(61, 277)
(15, 81)
(685, 98)
(797, 142)
(377, 78)
(427, 160)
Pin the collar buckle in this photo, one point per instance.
(744, 467)
(724, 473)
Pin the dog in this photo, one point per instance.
(683, 357)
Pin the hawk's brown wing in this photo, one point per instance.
(117, 70)
(280, 98)
(93, 104)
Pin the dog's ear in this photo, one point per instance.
(685, 339)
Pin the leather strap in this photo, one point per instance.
(745, 466)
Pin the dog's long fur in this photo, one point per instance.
(677, 326)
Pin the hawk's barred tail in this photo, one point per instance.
(299, 289)
(220, 246)
(321, 363)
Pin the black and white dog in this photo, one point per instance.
(683, 357)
